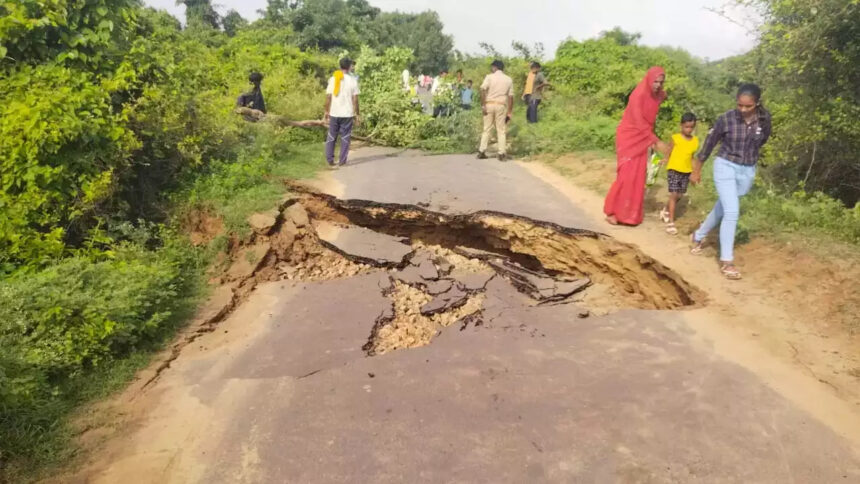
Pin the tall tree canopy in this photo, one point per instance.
(349, 24)
(232, 22)
(200, 13)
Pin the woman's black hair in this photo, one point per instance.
(687, 117)
(255, 78)
(750, 89)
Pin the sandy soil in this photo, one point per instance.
(799, 305)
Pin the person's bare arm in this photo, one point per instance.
(668, 154)
(662, 148)
(327, 108)
(696, 177)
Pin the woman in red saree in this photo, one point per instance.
(635, 134)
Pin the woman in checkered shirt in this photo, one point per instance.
(741, 133)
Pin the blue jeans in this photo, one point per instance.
(342, 127)
(732, 181)
(532, 110)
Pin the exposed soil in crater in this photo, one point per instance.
(623, 273)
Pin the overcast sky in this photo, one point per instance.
(678, 23)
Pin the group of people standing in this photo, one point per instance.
(740, 132)
(437, 95)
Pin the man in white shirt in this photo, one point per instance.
(439, 106)
(406, 77)
(437, 81)
(497, 105)
(341, 111)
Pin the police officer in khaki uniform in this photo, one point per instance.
(497, 104)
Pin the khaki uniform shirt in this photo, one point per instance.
(499, 87)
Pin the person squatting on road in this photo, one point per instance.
(533, 92)
(341, 111)
(741, 133)
(497, 105)
(634, 137)
(682, 148)
(254, 98)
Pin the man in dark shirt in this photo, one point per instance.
(254, 98)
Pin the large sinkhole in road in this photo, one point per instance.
(437, 266)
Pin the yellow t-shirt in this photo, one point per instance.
(681, 159)
(530, 84)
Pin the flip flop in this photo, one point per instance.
(670, 229)
(730, 271)
(664, 215)
(697, 245)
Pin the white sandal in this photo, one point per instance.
(730, 271)
(697, 245)
(670, 229)
(664, 215)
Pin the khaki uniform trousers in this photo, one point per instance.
(495, 117)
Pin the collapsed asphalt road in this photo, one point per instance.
(483, 348)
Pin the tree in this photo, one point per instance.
(232, 22)
(807, 62)
(620, 36)
(200, 13)
(420, 32)
(279, 12)
(85, 34)
(535, 52)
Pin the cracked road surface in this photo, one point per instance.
(281, 391)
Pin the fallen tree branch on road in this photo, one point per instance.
(255, 115)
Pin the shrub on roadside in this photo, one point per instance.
(59, 324)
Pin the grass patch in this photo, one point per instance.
(233, 190)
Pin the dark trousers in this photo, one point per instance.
(532, 111)
(338, 127)
(442, 110)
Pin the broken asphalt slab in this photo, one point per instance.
(363, 245)
(478, 185)
(540, 287)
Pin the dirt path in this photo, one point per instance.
(636, 367)
(791, 303)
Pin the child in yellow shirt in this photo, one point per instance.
(682, 148)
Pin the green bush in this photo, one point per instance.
(458, 133)
(59, 156)
(60, 324)
(388, 113)
(768, 211)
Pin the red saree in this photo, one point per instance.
(635, 134)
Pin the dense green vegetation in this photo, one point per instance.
(116, 127)
(115, 123)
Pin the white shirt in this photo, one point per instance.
(341, 105)
(436, 82)
(405, 78)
